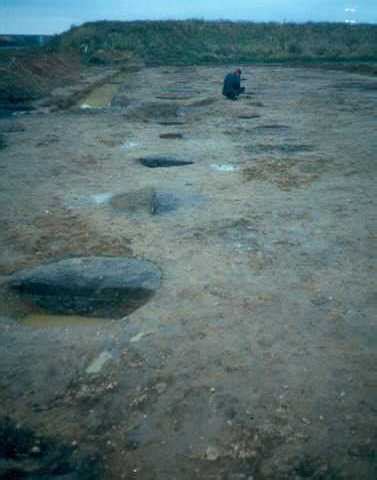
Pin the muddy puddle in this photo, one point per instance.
(102, 96)
(43, 320)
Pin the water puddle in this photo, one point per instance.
(129, 145)
(44, 320)
(101, 198)
(224, 167)
(100, 97)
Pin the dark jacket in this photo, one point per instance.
(232, 85)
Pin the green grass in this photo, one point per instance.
(195, 42)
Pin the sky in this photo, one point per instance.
(55, 16)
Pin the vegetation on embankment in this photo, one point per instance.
(31, 73)
(196, 42)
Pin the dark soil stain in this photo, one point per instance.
(284, 148)
(2, 142)
(273, 128)
(24, 455)
(354, 85)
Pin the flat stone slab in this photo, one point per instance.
(248, 116)
(164, 162)
(94, 286)
(272, 128)
(171, 136)
(171, 123)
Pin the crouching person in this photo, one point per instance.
(232, 85)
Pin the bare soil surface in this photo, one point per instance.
(256, 358)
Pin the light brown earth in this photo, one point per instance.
(256, 359)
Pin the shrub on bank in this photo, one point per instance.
(196, 42)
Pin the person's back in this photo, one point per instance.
(232, 85)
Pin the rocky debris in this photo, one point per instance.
(164, 162)
(26, 455)
(171, 136)
(92, 286)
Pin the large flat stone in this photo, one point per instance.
(94, 286)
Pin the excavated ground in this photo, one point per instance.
(256, 357)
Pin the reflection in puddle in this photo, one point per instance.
(101, 96)
(101, 198)
(224, 167)
(43, 320)
(129, 145)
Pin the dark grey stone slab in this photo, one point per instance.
(94, 286)
(164, 162)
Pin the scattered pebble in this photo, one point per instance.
(161, 387)
(139, 336)
(97, 365)
(212, 453)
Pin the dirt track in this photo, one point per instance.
(256, 358)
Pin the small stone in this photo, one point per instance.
(35, 450)
(161, 387)
(212, 453)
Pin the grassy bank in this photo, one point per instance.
(197, 42)
(31, 73)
